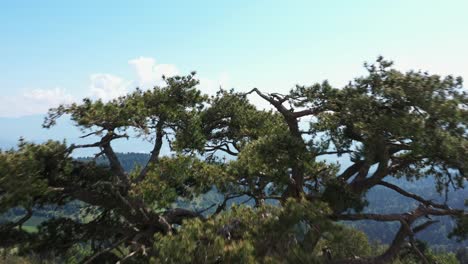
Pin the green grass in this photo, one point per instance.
(30, 229)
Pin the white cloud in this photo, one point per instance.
(107, 86)
(211, 86)
(149, 73)
(52, 96)
(103, 86)
(36, 101)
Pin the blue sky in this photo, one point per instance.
(58, 51)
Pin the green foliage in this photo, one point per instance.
(23, 172)
(446, 258)
(391, 124)
(180, 177)
(426, 112)
(206, 242)
(347, 198)
(247, 235)
(345, 243)
(231, 118)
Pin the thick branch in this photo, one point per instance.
(114, 162)
(20, 222)
(333, 152)
(375, 217)
(391, 253)
(361, 183)
(351, 170)
(154, 153)
(416, 249)
(413, 196)
(303, 113)
(177, 215)
(110, 201)
(421, 210)
(92, 133)
(115, 165)
(276, 103)
(423, 226)
(223, 147)
(222, 205)
(105, 250)
(296, 184)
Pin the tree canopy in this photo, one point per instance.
(289, 202)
